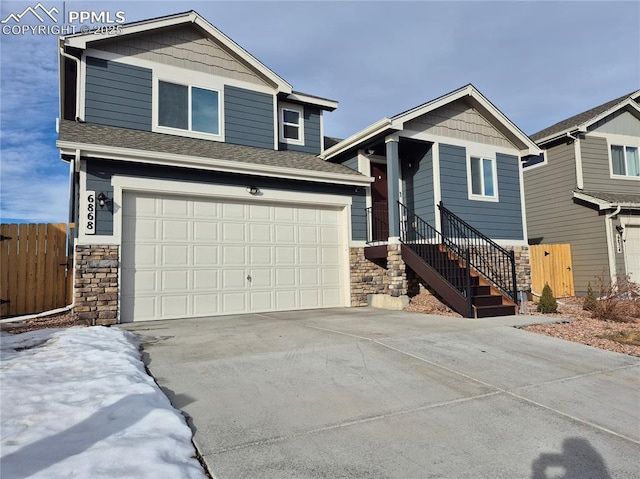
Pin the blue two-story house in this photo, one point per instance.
(196, 188)
(201, 185)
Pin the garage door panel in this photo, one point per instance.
(260, 301)
(175, 255)
(205, 279)
(233, 232)
(185, 256)
(308, 255)
(174, 280)
(234, 279)
(308, 234)
(233, 210)
(174, 306)
(233, 255)
(260, 233)
(175, 230)
(632, 250)
(205, 231)
(285, 234)
(309, 299)
(205, 304)
(259, 212)
(234, 302)
(260, 255)
(204, 255)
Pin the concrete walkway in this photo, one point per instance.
(370, 393)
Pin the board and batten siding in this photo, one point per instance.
(248, 117)
(311, 133)
(183, 47)
(596, 170)
(553, 216)
(418, 186)
(498, 220)
(358, 208)
(99, 173)
(118, 94)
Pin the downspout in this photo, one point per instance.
(610, 245)
(577, 151)
(77, 60)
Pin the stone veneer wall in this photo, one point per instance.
(367, 277)
(396, 271)
(523, 267)
(96, 284)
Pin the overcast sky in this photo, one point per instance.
(538, 62)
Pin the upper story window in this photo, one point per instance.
(625, 161)
(292, 124)
(483, 180)
(189, 108)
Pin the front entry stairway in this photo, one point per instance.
(471, 273)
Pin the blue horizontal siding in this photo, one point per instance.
(118, 95)
(248, 117)
(358, 208)
(418, 186)
(498, 220)
(311, 133)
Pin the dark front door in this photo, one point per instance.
(380, 199)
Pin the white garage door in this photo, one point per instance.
(632, 247)
(190, 257)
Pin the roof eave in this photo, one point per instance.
(352, 141)
(604, 204)
(324, 103)
(82, 40)
(214, 164)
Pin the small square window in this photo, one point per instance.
(483, 177)
(291, 125)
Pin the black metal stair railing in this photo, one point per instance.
(377, 223)
(433, 248)
(491, 260)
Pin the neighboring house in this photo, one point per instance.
(585, 190)
(197, 189)
(447, 183)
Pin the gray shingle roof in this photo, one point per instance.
(86, 133)
(614, 198)
(577, 120)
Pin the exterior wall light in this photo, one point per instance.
(253, 190)
(102, 199)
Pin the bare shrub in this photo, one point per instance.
(619, 300)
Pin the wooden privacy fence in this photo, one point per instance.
(33, 260)
(551, 263)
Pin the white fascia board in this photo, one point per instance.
(81, 41)
(604, 205)
(213, 164)
(323, 103)
(527, 145)
(369, 132)
(583, 127)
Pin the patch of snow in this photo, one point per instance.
(78, 403)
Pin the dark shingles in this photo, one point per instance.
(577, 120)
(143, 140)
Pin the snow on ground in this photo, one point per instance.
(78, 403)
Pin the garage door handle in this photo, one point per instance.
(248, 277)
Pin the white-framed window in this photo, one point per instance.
(625, 161)
(189, 108)
(292, 124)
(483, 179)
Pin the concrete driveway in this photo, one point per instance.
(371, 393)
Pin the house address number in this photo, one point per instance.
(90, 213)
